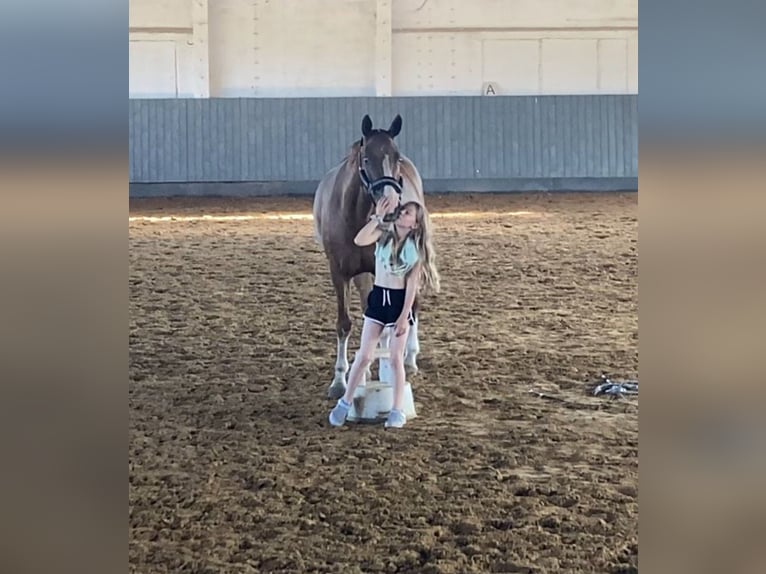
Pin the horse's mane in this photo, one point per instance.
(352, 157)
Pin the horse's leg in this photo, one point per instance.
(343, 327)
(413, 345)
(363, 283)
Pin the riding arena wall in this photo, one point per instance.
(249, 97)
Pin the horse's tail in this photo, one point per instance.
(317, 228)
(317, 215)
(318, 238)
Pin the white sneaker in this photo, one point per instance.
(339, 413)
(396, 419)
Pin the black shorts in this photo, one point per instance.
(384, 306)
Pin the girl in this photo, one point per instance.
(404, 264)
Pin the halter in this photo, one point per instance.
(375, 189)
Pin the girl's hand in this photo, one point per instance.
(401, 326)
(384, 206)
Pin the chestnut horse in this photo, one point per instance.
(343, 202)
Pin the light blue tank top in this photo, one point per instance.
(407, 258)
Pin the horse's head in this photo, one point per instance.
(380, 161)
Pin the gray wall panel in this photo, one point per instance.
(449, 138)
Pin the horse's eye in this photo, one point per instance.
(365, 160)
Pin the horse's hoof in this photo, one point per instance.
(336, 391)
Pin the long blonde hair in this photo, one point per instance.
(429, 280)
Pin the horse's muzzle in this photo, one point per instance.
(376, 189)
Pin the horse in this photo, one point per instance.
(343, 202)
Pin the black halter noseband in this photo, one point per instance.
(375, 189)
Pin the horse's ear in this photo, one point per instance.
(366, 126)
(396, 126)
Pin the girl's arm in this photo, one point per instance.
(411, 289)
(370, 233)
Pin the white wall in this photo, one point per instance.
(291, 48)
(516, 62)
(461, 14)
(168, 49)
(521, 46)
(166, 14)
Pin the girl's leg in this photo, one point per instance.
(396, 346)
(370, 335)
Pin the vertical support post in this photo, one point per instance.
(200, 80)
(383, 48)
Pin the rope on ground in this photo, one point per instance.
(617, 389)
(614, 389)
